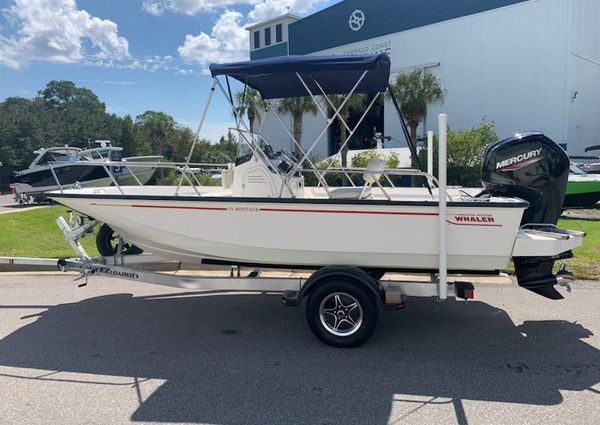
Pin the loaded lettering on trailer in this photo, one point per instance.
(519, 161)
(110, 272)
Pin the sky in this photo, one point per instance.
(136, 55)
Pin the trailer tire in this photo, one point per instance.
(376, 274)
(105, 242)
(342, 313)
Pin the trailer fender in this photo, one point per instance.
(326, 274)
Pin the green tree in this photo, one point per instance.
(181, 141)
(225, 150)
(159, 128)
(355, 103)
(250, 103)
(133, 139)
(62, 94)
(74, 115)
(415, 90)
(297, 107)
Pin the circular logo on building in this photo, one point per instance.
(356, 20)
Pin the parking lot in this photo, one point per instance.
(116, 351)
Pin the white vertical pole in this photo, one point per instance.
(430, 153)
(443, 271)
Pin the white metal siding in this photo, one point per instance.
(584, 76)
(276, 135)
(507, 65)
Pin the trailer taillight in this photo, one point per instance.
(464, 290)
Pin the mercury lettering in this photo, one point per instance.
(518, 158)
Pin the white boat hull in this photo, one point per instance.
(308, 232)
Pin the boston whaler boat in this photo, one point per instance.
(263, 214)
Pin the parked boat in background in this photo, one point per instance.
(69, 166)
(583, 189)
(589, 164)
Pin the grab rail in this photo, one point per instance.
(189, 171)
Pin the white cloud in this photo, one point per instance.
(228, 42)
(54, 31)
(155, 8)
(189, 7)
(268, 9)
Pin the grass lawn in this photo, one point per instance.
(586, 263)
(34, 234)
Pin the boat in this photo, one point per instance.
(66, 166)
(264, 214)
(589, 164)
(583, 189)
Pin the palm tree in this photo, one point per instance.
(355, 103)
(414, 90)
(297, 107)
(250, 103)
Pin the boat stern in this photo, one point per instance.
(536, 249)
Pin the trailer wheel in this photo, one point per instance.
(107, 242)
(341, 313)
(376, 274)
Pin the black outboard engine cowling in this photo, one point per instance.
(532, 167)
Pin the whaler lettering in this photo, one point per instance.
(474, 219)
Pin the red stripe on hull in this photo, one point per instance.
(181, 207)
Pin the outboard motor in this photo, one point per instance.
(532, 167)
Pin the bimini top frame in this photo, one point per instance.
(295, 76)
(292, 76)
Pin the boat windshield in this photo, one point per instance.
(249, 143)
(54, 156)
(97, 153)
(576, 170)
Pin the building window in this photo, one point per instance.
(257, 39)
(278, 33)
(267, 36)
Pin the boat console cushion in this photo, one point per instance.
(346, 193)
(374, 170)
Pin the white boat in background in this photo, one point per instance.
(68, 166)
(264, 214)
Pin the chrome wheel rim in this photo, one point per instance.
(340, 314)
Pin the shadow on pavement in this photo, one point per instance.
(245, 359)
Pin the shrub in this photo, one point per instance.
(172, 179)
(362, 159)
(465, 148)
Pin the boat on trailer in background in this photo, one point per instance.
(265, 215)
(68, 166)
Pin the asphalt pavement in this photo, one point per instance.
(8, 205)
(120, 352)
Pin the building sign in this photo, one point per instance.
(356, 20)
(373, 48)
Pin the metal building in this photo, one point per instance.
(523, 64)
